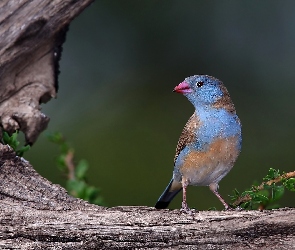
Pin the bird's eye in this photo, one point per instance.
(200, 84)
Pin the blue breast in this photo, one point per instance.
(214, 124)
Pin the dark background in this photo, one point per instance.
(120, 63)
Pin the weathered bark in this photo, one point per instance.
(36, 214)
(31, 34)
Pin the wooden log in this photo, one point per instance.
(36, 214)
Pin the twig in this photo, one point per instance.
(247, 197)
(70, 165)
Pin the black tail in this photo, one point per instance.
(171, 190)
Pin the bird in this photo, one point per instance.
(209, 143)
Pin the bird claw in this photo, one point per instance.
(229, 208)
(238, 209)
(187, 210)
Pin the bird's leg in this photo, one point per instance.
(214, 187)
(184, 206)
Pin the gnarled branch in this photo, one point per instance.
(37, 214)
(31, 33)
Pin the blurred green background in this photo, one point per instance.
(120, 63)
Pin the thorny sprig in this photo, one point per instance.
(75, 173)
(265, 195)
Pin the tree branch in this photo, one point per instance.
(242, 199)
(36, 213)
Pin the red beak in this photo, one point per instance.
(182, 88)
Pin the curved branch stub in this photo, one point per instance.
(32, 33)
(33, 82)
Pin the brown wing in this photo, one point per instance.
(187, 136)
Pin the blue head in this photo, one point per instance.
(214, 109)
(202, 90)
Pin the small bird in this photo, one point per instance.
(209, 143)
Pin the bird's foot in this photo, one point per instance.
(189, 211)
(186, 209)
(229, 208)
(238, 209)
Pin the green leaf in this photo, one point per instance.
(55, 137)
(260, 198)
(81, 169)
(6, 137)
(246, 204)
(58, 139)
(277, 193)
(264, 192)
(99, 201)
(247, 192)
(22, 150)
(11, 140)
(272, 174)
(290, 184)
(71, 184)
(91, 193)
(236, 192)
(61, 164)
(76, 188)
